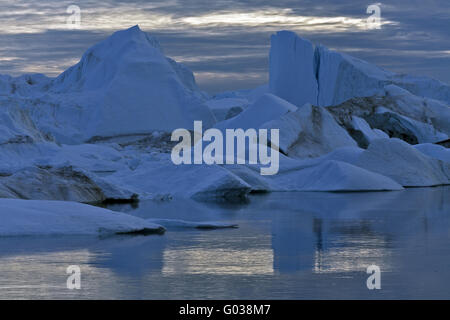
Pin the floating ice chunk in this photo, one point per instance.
(174, 223)
(33, 217)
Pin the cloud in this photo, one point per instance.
(41, 18)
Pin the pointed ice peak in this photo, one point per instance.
(133, 34)
(101, 62)
(124, 85)
(133, 30)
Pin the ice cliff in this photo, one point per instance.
(301, 73)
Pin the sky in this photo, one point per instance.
(226, 43)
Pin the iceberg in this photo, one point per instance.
(123, 85)
(38, 218)
(101, 130)
(301, 73)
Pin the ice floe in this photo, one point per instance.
(32, 217)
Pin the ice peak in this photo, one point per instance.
(134, 28)
(132, 34)
(125, 85)
(100, 63)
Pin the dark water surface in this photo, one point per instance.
(287, 246)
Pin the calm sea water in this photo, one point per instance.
(287, 246)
